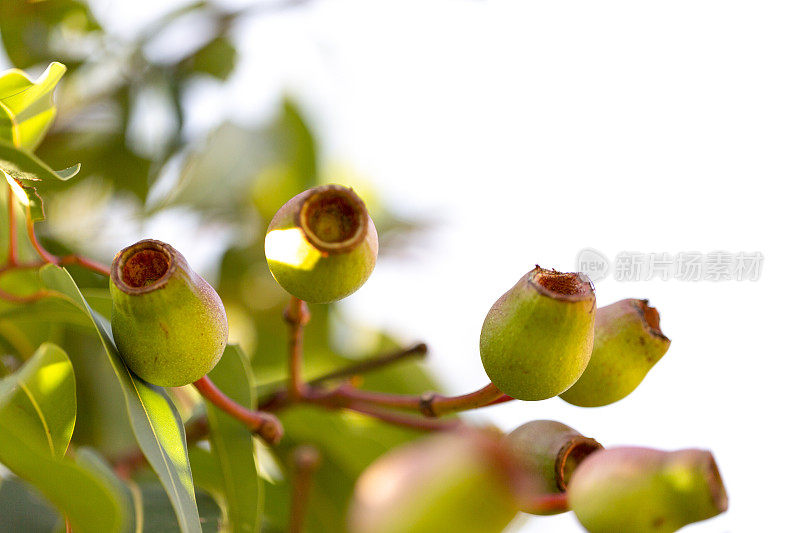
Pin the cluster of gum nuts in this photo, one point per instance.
(545, 337)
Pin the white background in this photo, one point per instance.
(530, 130)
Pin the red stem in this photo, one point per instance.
(546, 503)
(297, 316)
(71, 259)
(401, 419)
(306, 461)
(430, 405)
(264, 424)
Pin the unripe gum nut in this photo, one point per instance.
(447, 482)
(169, 324)
(628, 342)
(643, 490)
(549, 451)
(322, 244)
(536, 339)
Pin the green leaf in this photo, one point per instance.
(44, 390)
(28, 106)
(232, 444)
(33, 32)
(154, 514)
(24, 509)
(154, 419)
(24, 173)
(33, 431)
(217, 58)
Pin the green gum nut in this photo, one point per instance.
(322, 244)
(536, 339)
(169, 324)
(628, 342)
(642, 490)
(549, 452)
(448, 482)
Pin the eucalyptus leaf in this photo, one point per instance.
(28, 106)
(232, 444)
(44, 390)
(154, 419)
(37, 413)
(25, 173)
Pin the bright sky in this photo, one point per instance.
(532, 130)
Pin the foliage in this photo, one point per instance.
(236, 177)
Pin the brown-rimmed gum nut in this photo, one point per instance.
(322, 244)
(642, 490)
(169, 324)
(628, 342)
(454, 481)
(549, 451)
(536, 339)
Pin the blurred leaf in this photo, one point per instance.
(28, 106)
(44, 390)
(237, 166)
(217, 58)
(232, 444)
(29, 28)
(45, 380)
(154, 419)
(24, 173)
(24, 509)
(158, 516)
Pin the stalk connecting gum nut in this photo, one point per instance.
(322, 244)
(537, 338)
(169, 324)
(642, 490)
(549, 451)
(628, 342)
(448, 482)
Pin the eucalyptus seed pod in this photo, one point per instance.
(322, 244)
(536, 339)
(549, 451)
(447, 482)
(628, 342)
(169, 324)
(643, 490)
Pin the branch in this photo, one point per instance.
(71, 259)
(401, 419)
(306, 461)
(296, 316)
(266, 425)
(279, 398)
(372, 363)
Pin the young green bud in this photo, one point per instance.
(448, 482)
(549, 451)
(322, 244)
(537, 338)
(627, 343)
(169, 324)
(646, 490)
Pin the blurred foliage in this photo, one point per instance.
(234, 175)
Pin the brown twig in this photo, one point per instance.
(306, 461)
(404, 420)
(296, 316)
(372, 363)
(280, 397)
(266, 425)
(71, 259)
